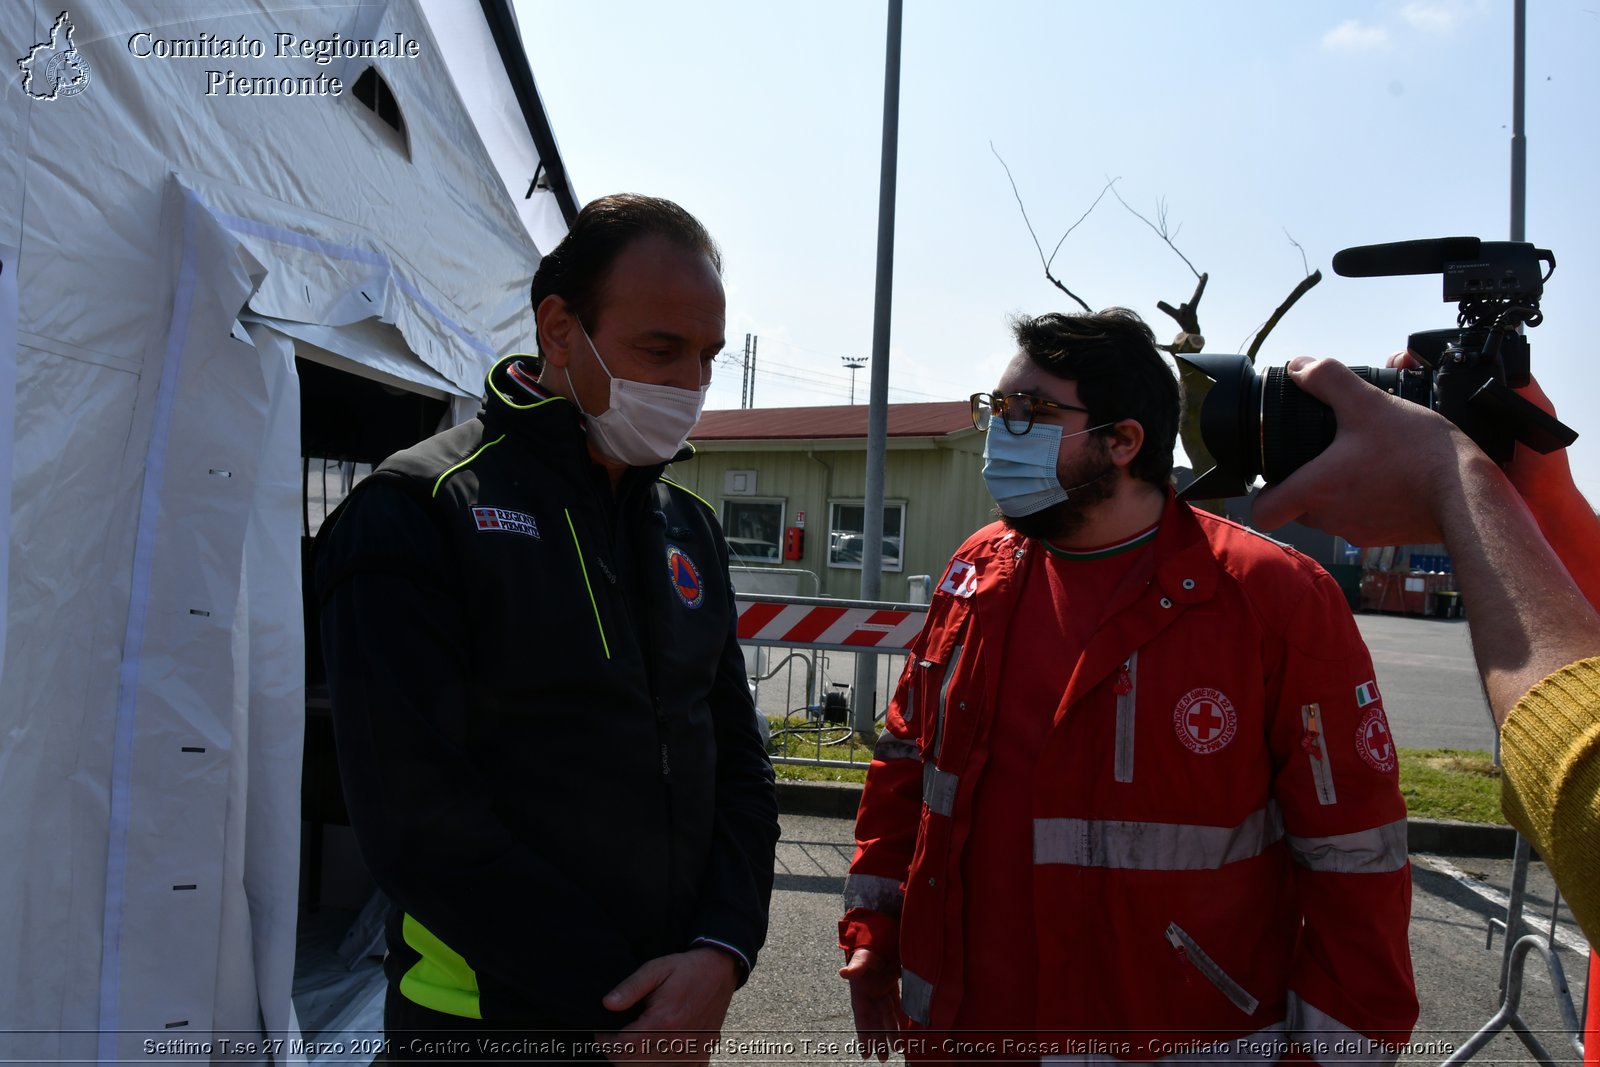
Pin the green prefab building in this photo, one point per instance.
(789, 483)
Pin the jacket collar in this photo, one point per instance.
(552, 425)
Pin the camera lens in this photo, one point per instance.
(1296, 427)
(1237, 425)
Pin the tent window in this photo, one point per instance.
(375, 93)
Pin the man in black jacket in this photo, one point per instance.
(547, 742)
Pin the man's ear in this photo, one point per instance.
(1125, 441)
(558, 330)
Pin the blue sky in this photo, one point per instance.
(1336, 123)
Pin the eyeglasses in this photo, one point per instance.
(1016, 411)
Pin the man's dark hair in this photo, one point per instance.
(1120, 373)
(576, 269)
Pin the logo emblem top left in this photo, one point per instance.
(54, 68)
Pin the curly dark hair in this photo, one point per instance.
(576, 269)
(1112, 356)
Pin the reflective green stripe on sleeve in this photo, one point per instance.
(464, 462)
(692, 493)
(441, 979)
(584, 569)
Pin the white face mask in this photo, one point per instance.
(645, 424)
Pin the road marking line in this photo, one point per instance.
(1499, 899)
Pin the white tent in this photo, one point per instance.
(169, 246)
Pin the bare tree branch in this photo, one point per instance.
(1263, 328)
(1109, 183)
(1187, 316)
(1300, 290)
(1161, 230)
(1042, 260)
(1303, 264)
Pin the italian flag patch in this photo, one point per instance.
(1366, 693)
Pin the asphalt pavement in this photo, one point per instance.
(1430, 687)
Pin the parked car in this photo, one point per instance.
(750, 550)
(848, 548)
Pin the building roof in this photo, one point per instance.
(838, 421)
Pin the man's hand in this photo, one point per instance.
(875, 1001)
(686, 998)
(1382, 480)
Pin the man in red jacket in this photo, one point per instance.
(1137, 797)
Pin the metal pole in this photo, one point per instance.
(744, 385)
(754, 341)
(1519, 140)
(855, 363)
(866, 695)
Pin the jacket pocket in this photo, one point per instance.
(1192, 955)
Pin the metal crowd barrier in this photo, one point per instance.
(1521, 941)
(801, 655)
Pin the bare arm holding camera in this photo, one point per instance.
(1398, 473)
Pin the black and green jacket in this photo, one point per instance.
(547, 742)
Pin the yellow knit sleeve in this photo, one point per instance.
(1550, 754)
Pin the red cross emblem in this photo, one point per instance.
(1205, 721)
(1374, 742)
(961, 579)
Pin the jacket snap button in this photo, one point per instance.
(1188, 583)
(1166, 603)
(932, 880)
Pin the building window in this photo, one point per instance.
(845, 521)
(754, 529)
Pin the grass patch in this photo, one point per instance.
(1438, 783)
(1449, 783)
(812, 741)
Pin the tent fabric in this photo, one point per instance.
(173, 252)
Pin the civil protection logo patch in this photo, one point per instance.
(501, 520)
(685, 578)
(1374, 742)
(1205, 721)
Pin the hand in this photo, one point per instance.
(686, 998)
(1544, 480)
(1382, 481)
(875, 1002)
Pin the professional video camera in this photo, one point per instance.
(1237, 425)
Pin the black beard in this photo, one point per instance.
(1067, 517)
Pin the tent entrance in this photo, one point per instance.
(349, 423)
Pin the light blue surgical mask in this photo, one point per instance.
(1020, 471)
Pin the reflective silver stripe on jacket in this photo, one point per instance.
(1268, 1045)
(939, 789)
(1377, 851)
(944, 697)
(1330, 1041)
(916, 995)
(1125, 705)
(1154, 846)
(890, 747)
(1321, 765)
(873, 891)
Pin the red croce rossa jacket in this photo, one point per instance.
(1220, 860)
